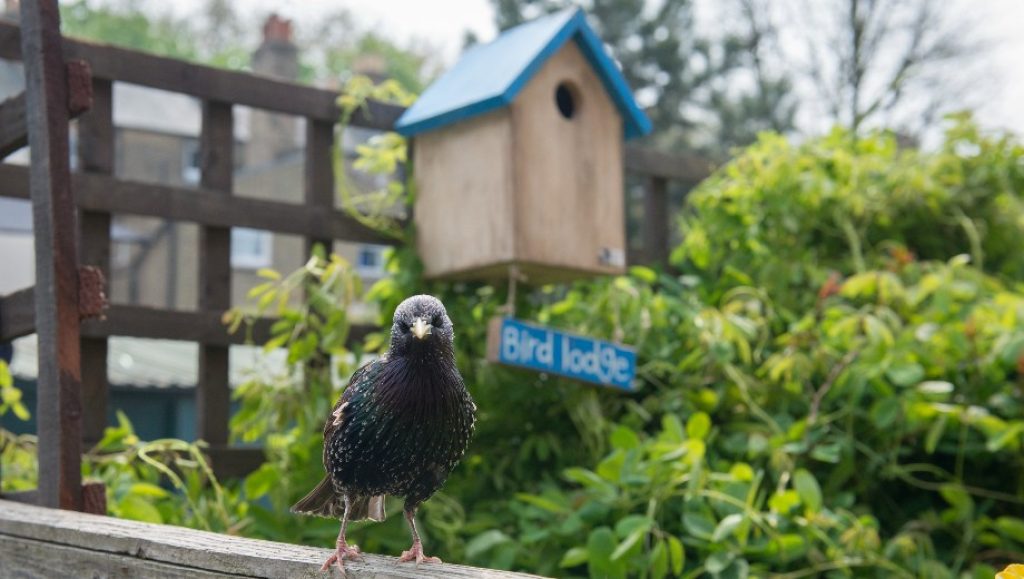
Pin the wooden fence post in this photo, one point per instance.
(59, 407)
(96, 155)
(656, 221)
(319, 173)
(213, 397)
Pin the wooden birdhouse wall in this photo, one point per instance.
(568, 170)
(464, 209)
(538, 184)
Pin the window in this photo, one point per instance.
(190, 161)
(370, 260)
(250, 248)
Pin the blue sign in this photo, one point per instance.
(516, 343)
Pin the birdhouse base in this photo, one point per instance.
(529, 273)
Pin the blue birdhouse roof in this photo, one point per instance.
(489, 76)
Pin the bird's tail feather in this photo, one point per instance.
(323, 501)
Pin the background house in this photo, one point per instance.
(154, 261)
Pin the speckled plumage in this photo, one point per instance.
(401, 425)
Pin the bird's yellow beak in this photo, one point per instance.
(420, 328)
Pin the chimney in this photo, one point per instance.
(371, 65)
(273, 135)
(10, 9)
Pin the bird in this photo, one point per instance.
(399, 428)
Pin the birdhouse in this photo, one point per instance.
(517, 156)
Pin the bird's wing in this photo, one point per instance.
(361, 380)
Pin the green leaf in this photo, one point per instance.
(1008, 437)
(268, 273)
(676, 554)
(741, 471)
(631, 523)
(958, 498)
(628, 543)
(1012, 349)
(905, 374)
(544, 503)
(1011, 527)
(20, 411)
(643, 273)
(698, 425)
(784, 501)
(573, 557)
(624, 438)
(659, 560)
(672, 428)
(699, 524)
(726, 527)
(807, 487)
(485, 542)
(150, 490)
(718, 561)
(600, 545)
(931, 440)
(139, 509)
(885, 411)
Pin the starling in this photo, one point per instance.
(399, 428)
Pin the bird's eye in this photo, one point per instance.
(437, 321)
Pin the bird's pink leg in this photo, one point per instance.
(415, 553)
(343, 550)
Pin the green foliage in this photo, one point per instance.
(164, 481)
(10, 395)
(131, 27)
(217, 34)
(380, 209)
(784, 216)
(831, 387)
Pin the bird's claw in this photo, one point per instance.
(340, 554)
(415, 553)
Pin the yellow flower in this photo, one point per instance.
(1015, 571)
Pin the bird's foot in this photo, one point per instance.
(343, 552)
(415, 553)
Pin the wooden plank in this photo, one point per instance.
(186, 326)
(17, 314)
(31, 559)
(656, 221)
(689, 168)
(139, 545)
(13, 131)
(13, 127)
(234, 462)
(319, 182)
(213, 397)
(96, 155)
(209, 83)
(59, 405)
(17, 309)
(319, 196)
(204, 206)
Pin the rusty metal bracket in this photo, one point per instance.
(79, 87)
(92, 296)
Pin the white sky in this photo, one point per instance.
(442, 24)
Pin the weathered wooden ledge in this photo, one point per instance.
(41, 542)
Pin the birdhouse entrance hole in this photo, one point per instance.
(567, 99)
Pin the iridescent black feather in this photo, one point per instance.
(402, 424)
